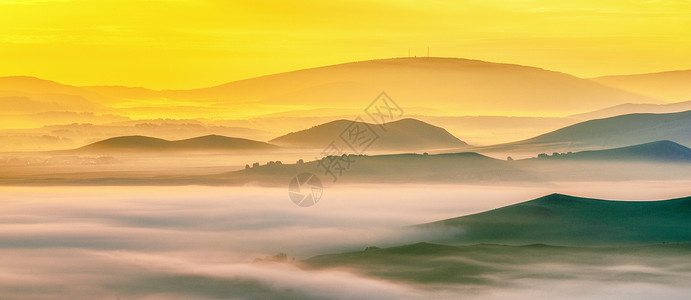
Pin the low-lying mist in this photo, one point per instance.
(195, 242)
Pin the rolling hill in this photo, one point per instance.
(670, 86)
(495, 265)
(404, 134)
(452, 84)
(631, 108)
(46, 95)
(204, 143)
(42, 86)
(616, 131)
(393, 168)
(285, 102)
(527, 240)
(663, 151)
(573, 221)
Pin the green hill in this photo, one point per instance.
(566, 220)
(617, 131)
(501, 265)
(520, 242)
(660, 151)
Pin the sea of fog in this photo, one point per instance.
(195, 242)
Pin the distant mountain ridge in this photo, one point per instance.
(631, 108)
(144, 143)
(669, 85)
(453, 85)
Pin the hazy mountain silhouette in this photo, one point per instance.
(566, 220)
(630, 108)
(12, 102)
(670, 86)
(616, 131)
(453, 84)
(667, 151)
(405, 134)
(25, 105)
(39, 122)
(422, 86)
(124, 92)
(144, 143)
(37, 85)
(51, 92)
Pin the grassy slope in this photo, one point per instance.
(566, 220)
(659, 151)
(557, 219)
(620, 131)
(490, 264)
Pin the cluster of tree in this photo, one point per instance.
(554, 155)
(299, 162)
(278, 258)
(271, 163)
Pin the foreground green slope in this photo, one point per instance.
(501, 265)
(641, 241)
(565, 220)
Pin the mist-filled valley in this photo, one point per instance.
(209, 242)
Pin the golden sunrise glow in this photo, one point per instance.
(179, 44)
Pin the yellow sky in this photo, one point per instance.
(187, 44)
